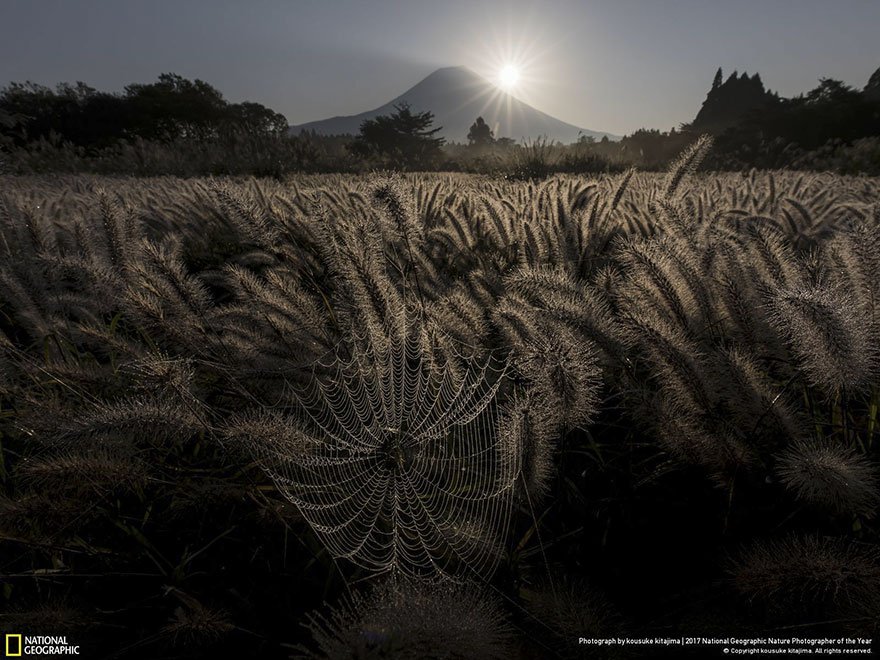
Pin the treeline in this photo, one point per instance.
(832, 127)
(182, 127)
(173, 125)
(809, 131)
(186, 128)
(171, 108)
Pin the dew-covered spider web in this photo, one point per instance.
(397, 464)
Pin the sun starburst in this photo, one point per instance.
(508, 77)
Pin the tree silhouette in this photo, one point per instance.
(255, 119)
(729, 102)
(480, 134)
(175, 107)
(872, 89)
(166, 110)
(402, 139)
(719, 79)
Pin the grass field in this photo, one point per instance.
(441, 412)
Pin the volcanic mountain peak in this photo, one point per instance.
(457, 96)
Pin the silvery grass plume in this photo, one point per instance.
(394, 460)
(48, 283)
(413, 621)
(829, 334)
(398, 209)
(461, 315)
(543, 296)
(818, 575)
(154, 419)
(687, 163)
(7, 368)
(738, 294)
(570, 225)
(830, 476)
(457, 244)
(761, 409)
(84, 450)
(695, 439)
(663, 209)
(678, 364)
(273, 324)
(573, 609)
(56, 613)
(42, 518)
(664, 277)
(308, 282)
(404, 236)
(365, 292)
(772, 259)
(166, 299)
(855, 254)
(681, 398)
(529, 424)
(275, 229)
(564, 375)
(254, 222)
(195, 624)
(85, 472)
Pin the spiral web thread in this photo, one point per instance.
(398, 465)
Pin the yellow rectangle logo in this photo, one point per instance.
(13, 646)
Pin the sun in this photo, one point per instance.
(508, 76)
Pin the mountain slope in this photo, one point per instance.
(457, 96)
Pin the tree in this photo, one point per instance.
(169, 109)
(256, 119)
(831, 91)
(872, 89)
(480, 134)
(7, 119)
(73, 113)
(729, 102)
(403, 138)
(175, 107)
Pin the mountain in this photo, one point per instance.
(457, 96)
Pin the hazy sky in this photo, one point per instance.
(608, 65)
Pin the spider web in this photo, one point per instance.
(397, 464)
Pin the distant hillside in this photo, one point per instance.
(457, 96)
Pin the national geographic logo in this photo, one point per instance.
(13, 646)
(22, 645)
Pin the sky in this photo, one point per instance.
(605, 65)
